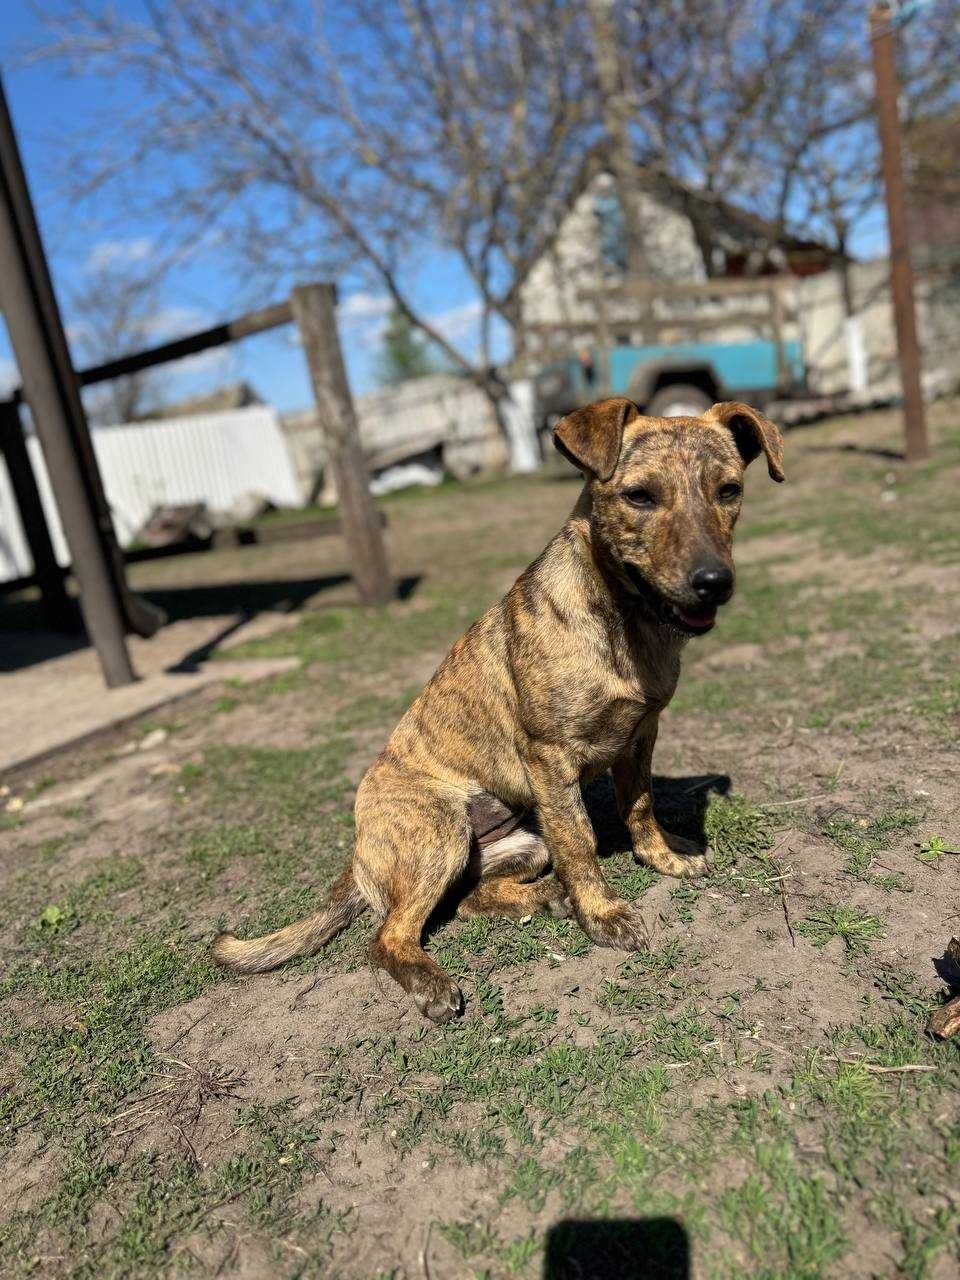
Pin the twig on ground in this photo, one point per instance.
(305, 991)
(875, 1069)
(786, 915)
(785, 804)
(425, 1252)
(186, 1031)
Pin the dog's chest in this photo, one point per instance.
(604, 714)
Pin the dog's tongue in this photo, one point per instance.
(705, 618)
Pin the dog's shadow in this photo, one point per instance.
(680, 805)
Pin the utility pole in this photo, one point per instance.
(901, 274)
(313, 310)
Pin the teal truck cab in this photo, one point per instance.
(667, 380)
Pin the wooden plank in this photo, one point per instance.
(652, 289)
(270, 531)
(776, 324)
(760, 319)
(313, 310)
(244, 326)
(603, 342)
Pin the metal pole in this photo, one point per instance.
(313, 310)
(901, 274)
(36, 334)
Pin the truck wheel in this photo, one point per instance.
(678, 400)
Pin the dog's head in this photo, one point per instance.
(665, 495)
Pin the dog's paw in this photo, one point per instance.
(559, 906)
(674, 856)
(619, 925)
(554, 899)
(439, 999)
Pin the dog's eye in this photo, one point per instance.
(729, 492)
(641, 498)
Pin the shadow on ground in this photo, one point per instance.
(617, 1249)
(862, 450)
(24, 642)
(680, 805)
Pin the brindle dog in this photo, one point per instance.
(479, 786)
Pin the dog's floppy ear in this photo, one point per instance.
(591, 437)
(752, 433)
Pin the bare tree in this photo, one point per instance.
(781, 105)
(113, 312)
(350, 139)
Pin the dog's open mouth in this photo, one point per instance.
(689, 622)
(696, 622)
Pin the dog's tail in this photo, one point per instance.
(344, 904)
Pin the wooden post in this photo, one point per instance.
(36, 335)
(901, 275)
(603, 346)
(784, 372)
(313, 310)
(59, 609)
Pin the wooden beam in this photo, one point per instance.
(759, 319)
(36, 335)
(313, 309)
(244, 326)
(901, 271)
(59, 608)
(652, 289)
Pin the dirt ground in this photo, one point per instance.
(753, 1097)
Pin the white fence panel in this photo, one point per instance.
(215, 458)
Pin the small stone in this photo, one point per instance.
(14, 804)
(164, 768)
(888, 495)
(153, 739)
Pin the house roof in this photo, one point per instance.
(696, 202)
(699, 206)
(237, 395)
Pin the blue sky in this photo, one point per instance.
(46, 105)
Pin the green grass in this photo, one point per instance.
(863, 839)
(703, 1082)
(854, 928)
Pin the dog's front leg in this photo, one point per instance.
(665, 852)
(568, 831)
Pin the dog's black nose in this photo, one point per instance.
(712, 583)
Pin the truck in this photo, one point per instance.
(685, 372)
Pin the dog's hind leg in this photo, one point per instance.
(509, 886)
(415, 847)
